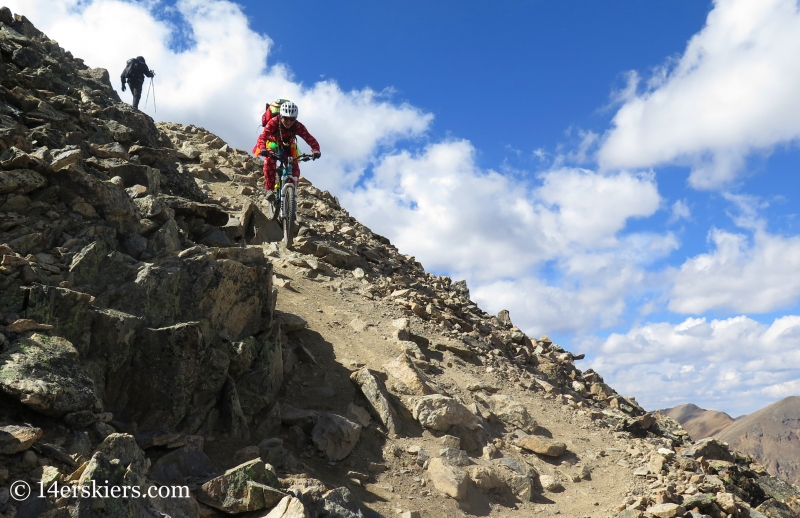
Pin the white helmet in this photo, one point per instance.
(289, 109)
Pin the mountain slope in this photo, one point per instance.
(152, 333)
(772, 436)
(699, 422)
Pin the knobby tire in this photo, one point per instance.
(288, 216)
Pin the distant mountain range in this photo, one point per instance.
(771, 435)
(699, 422)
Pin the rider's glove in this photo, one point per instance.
(317, 154)
(123, 87)
(263, 151)
(153, 72)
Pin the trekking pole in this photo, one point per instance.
(148, 94)
(154, 95)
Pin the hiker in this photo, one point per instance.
(279, 135)
(135, 70)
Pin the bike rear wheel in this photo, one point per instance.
(289, 216)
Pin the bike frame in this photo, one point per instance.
(287, 182)
(285, 178)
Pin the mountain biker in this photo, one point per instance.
(135, 70)
(279, 136)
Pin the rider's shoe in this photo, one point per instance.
(270, 195)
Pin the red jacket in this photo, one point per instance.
(276, 132)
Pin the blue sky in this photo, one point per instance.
(619, 175)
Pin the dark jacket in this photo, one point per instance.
(134, 72)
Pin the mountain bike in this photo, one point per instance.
(284, 204)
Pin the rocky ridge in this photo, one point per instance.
(147, 340)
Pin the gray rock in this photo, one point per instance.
(514, 464)
(247, 487)
(708, 448)
(44, 373)
(448, 480)
(542, 445)
(511, 412)
(165, 240)
(80, 419)
(341, 503)
(440, 412)
(20, 181)
(454, 456)
(409, 376)
(272, 452)
(216, 238)
(289, 507)
(14, 439)
(699, 500)
(334, 435)
(290, 322)
(378, 399)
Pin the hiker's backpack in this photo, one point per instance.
(135, 70)
(272, 110)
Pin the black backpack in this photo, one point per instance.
(134, 70)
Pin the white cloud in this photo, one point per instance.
(680, 210)
(498, 233)
(736, 365)
(732, 92)
(755, 275)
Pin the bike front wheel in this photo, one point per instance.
(289, 216)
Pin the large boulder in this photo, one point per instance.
(448, 479)
(20, 181)
(117, 463)
(378, 399)
(708, 448)
(234, 298)
(44, 373)
(511, 412)
(409, 377)
(172, 375)
(14, 438)
(334, 435)
(68, 311)
(247, 487)
(439, 412)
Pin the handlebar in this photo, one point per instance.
(305, 157)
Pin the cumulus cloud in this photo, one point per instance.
(756, 275)
(498, 233)
(752, 271)
(736, 365)
(732, 92)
